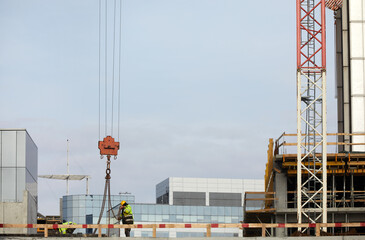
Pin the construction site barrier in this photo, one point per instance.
(207, 226)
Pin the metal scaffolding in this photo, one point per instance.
(311, 112)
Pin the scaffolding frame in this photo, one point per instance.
(311, 112)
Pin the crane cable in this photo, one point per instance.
(109, 106)
(107, 194)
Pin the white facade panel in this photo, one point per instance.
(357, 78)
(8, 156)
(357, 64)
(8, 183)
(31, 157)
(358, 123)
(355, 9)
(208, 185)
(20, 149)
(356, 43)
(20, 183)
(212, 187)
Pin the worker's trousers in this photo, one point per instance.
(127, 221)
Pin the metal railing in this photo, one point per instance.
(286, 140)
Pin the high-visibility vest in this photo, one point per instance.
(63, 230)
(127, 215)
(127, 211)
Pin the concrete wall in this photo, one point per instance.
(19, 213)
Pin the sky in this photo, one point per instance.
(204, 85)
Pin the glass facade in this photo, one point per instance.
(156, 213)
(186, 200)
(85, 209)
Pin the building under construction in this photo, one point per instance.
(313, 176)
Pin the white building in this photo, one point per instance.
(205, 191)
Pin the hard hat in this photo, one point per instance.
(122, 203)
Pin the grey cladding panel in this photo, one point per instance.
(189, 195)
(189, 198)
(8, 151)
(226, 196)
(225, 199)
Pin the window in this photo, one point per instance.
(165, 209)
(172, 209)
(207, 211)
(193, 210)
(179, 210)
(151, 218)
(235, 211)
(227, 211)
(214, 211)
(186, 219)
(136, 209)
(151, 209)
(158, 218)
(186, 210)
(173, 218)
(159, 208)
(220, 211)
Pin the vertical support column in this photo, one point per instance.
(46, 231)
(324, 149)
(263, 230)
(99, 231)
(299, 152)
(87, 185)
(154, 231)
(209, 230)
(281, 192)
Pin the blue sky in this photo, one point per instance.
(204, 85)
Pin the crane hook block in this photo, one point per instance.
(108, 146)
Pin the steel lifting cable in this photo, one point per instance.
(106, 67)
(99, 67)
(106, 194)
(115, 7)
(108, 140)
(120, 53)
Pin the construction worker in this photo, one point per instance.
(64, 230)
(125, 213)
